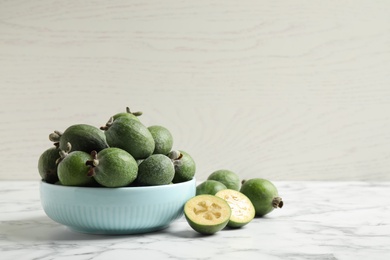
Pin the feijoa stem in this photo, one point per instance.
(138, 113)
(108, 124)
(64, 153)
(277, 202)
(92, 163)
(55, 136)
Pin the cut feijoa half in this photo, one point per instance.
(207, 214)
(242, 208)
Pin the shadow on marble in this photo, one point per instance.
(42, 229)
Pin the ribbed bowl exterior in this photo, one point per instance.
(127, 210)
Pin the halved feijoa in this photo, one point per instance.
(263, 194)
(242, 208)
(207, 214)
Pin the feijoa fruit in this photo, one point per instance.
(131, 136)
(207, 214)
(157, 169)
(113, 167)
(263, 194)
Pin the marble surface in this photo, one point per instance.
(319, 220)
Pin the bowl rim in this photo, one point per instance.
(135, 188)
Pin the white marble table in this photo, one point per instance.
(319, 220)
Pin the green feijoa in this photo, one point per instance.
(263, 194)
(47, 164)
(209, 187)
(243, 210)
(129, 114)
(162, 138)
(185, 166)
(131, 136)
(72, 169)
(157, 169)
(227, 177)
(113, 167)
(83, 137)
(207, 214)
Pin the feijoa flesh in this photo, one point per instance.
(242, 208)
(113, 167)
(131, 136)
(72, 169)
(157, 169)
(227, 177)
(83, 137)
(162, 138)
(207, 214)
(47, 164)
(185, 166)
(263, 195)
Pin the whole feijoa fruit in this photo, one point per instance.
(131, 136)
(263, 194)
(113, 167)
(243, 210)
(207, 214)
(47, 164)
(157, 169)
(209, 187)
(163, 139)
(227, 177)
(72, 169)
(185, 167)
(128, 113)
(83, 137)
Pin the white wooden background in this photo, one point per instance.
(285, 90)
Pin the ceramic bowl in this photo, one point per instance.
(125, 210)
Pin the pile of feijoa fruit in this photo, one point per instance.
(124, 152)
(224, 200)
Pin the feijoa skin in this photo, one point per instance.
(129, 114)
(209, 187)
(227, 177)
(242, 208)
(207, 214)
(47, 164)
(73, 171)
(157, 169)
(185, 166)
(163, 139)
(131, 136)
(263, 194)
(83, 137)
(113, 167)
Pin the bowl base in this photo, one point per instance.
(117, 232)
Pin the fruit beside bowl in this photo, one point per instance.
(125, 210)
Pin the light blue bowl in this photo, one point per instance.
(127, 210)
